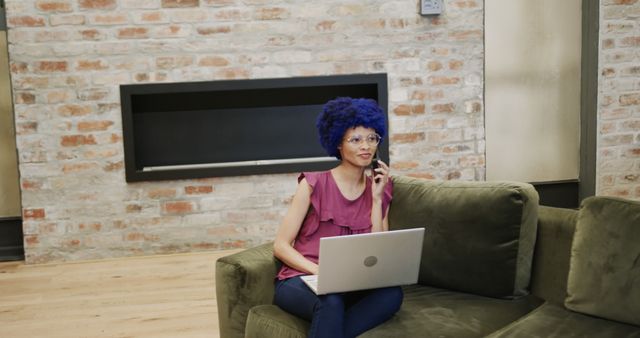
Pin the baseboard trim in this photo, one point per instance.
(14, 253)
(11, 241)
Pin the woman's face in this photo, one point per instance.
(358, 146)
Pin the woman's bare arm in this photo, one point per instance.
(289, 228)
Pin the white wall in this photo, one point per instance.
(532, 89)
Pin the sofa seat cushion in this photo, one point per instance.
(551, 320)
(434, 312)
(479, 236)
(425, 312)
(604, 275)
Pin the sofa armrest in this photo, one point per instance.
(243, 280)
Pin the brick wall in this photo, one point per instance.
(67, 58)
(618, 158)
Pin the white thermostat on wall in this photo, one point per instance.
(430, 7)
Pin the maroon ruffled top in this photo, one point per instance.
(332, 214)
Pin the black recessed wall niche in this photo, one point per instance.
(234, 127)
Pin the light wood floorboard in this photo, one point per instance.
(155, 296)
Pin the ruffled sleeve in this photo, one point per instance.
(312, 221)
(312, 179)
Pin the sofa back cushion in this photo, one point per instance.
(604, 275)
(552, 253)
(479, 236)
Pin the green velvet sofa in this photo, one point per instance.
(494, 264)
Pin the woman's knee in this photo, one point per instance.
(393, 297)
(330, 302)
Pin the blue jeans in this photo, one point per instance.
(338, 314)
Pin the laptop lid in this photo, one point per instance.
(367, 261)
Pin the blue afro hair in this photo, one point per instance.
(343, 113)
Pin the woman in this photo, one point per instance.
(341, 201)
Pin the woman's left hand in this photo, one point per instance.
(380, 178)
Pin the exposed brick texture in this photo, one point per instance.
(68, 58)
(618, 156)
(180, 3)
(97, 4)
(54, 6)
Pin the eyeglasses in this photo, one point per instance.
(371, 139)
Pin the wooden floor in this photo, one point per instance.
(157, 296)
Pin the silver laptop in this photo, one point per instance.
(367, 261)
